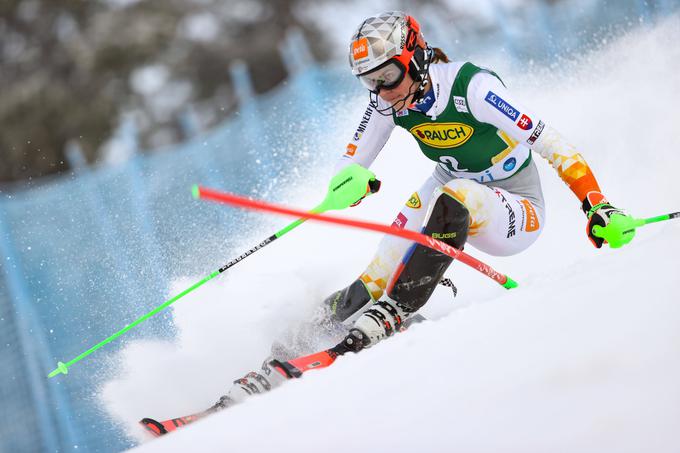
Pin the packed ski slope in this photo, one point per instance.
(582, 357)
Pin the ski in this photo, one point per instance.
(159, 428)
(163, 427)
(296, 367)
(290, 369)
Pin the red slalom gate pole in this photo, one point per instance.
(235, 200)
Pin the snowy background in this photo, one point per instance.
(582, 357)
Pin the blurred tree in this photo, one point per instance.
(70, 68)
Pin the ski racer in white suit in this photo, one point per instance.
(484, 190)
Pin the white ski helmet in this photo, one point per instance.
(389, 38)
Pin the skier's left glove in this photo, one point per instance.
(607, 223)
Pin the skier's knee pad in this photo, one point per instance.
(448, 220)
(349, 301)
(422, 267)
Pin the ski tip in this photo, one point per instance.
(154, 427)
(160, 428)
(195, 192)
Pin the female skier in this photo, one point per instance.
(484, 190)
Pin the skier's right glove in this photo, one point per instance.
(607, 223)
(351, 185)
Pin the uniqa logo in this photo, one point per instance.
(443, 135)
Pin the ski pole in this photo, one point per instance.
(63, 367)
(427, 241)
(621, 229)
(660, 218)
(336, 198)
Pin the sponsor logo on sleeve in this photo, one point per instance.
(351, 149)
(502, 106)
(442, 135)
(400, 221)
(360, 49)
(414, 201)
(402, 113)
(461, 104)
(536, 133)
(363, 123)
(525, 123)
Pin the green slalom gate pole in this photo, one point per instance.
(336, 198)
(427, 241)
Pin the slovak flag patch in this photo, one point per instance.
(525, 122)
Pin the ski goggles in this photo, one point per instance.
(386, 76)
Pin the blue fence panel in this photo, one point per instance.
(17, 394)
(91, 252)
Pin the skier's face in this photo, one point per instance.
(401, 96)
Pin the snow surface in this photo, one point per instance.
(582, 357)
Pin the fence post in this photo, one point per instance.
(299, 61)
(502, 15)
(189, 123)
(243, 87)
(250, 116)
(129, 135)
(295, 52)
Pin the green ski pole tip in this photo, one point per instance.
(61, 369)
(195, 192)
(510, 283)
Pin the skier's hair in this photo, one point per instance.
(439, 56)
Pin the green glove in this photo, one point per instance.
(607, 223)
(349, 187)
(619, 231)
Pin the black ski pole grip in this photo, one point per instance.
(374, 185)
